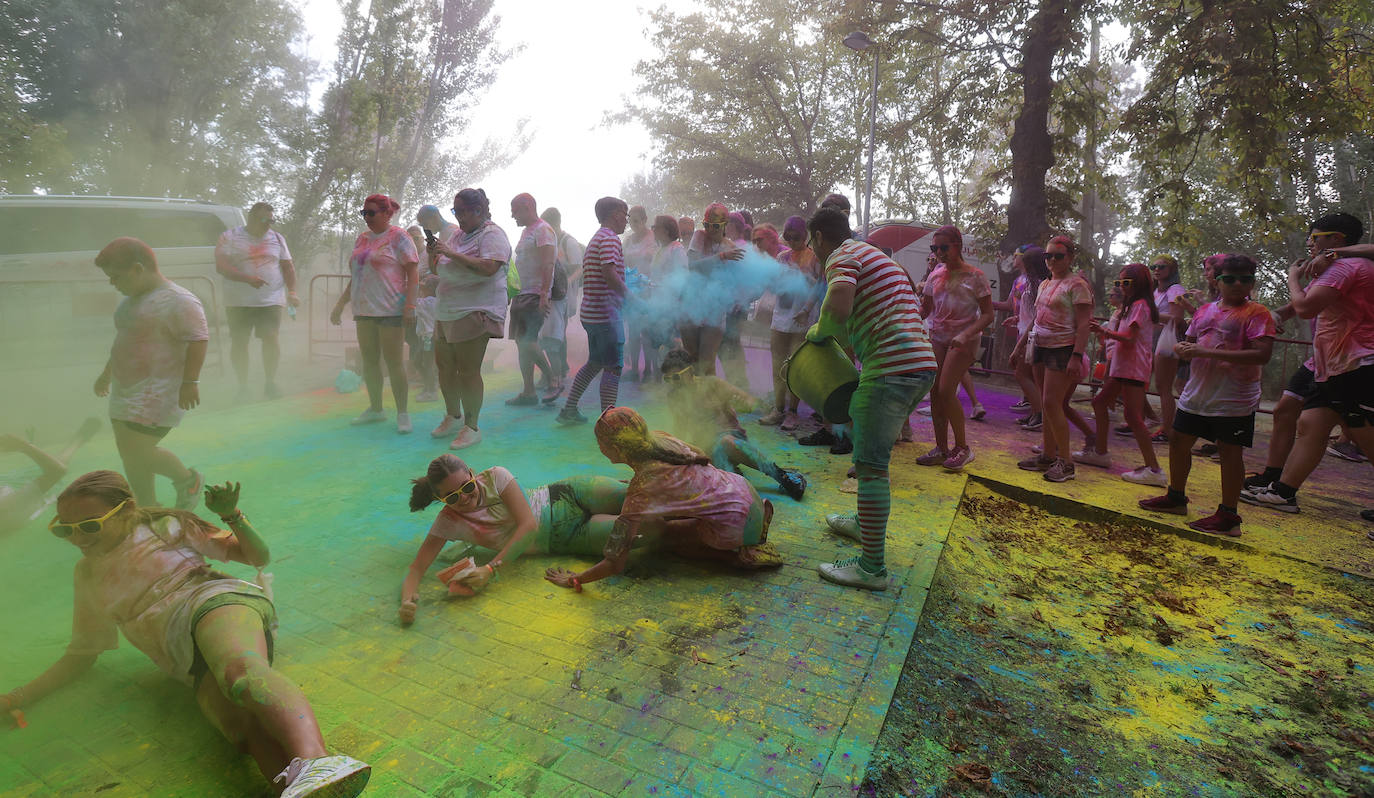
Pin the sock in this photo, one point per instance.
(875, 502)
(1283, 490)
(610, 388)
(579, 386)
(1177, 496)
(1221, 508)
(1272, 473)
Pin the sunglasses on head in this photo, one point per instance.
(1122, 283)
(939, 247)
(1154, 267)
(465, 489)
(1056, 255)
(368, 213)
(90, 526)
(1244, 279)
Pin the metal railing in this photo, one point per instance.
(326, 339)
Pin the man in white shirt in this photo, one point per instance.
(259, 280)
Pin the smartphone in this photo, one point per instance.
(430, 238)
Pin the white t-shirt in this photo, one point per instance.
(536, 235)
(379, 278)
(148, 355)
(639, 255)
(257, 257)
(462, 290)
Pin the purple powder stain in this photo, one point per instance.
(846, 756)
(769, 771)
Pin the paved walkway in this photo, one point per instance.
(674, 679)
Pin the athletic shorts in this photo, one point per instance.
(259, 604)
(1234, 430)
(525, 318)
(156, 432)
(1350, 394)
(380, 321)
(264, 322)
(475, 325)
(1302, 385)
(1054, 358)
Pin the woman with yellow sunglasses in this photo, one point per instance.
(488, 510)
(143, 572)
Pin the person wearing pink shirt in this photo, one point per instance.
(1128, 373)
(1227, 343)
(1341, 299)
(957, 306)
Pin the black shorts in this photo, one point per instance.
(1054, 358)
(264, 322)
(1129, 381)
(526, 318)
(156, 432)
(1350, 394)
(380, 321)
(1233, 430)
(1302, 385)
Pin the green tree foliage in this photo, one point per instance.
(748, 105)
(407, 76)
(150, 98)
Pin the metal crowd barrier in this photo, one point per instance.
(330, 341)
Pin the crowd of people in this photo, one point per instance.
(676, 308)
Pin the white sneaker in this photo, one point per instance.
(467, 436)
(923, 410)
(1147, 476)
(445, 427)
(1092, 458)
(403, 423)
(369, 416)
(978, 412)
(846, 526)
(850, 574)
(324, 777)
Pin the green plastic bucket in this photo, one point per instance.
(824, 377)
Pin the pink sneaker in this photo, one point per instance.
(936, 456)
(958, 458)
(467, 436)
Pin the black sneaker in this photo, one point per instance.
(569, 416)
(1367, 515)
(793, 484)
(1256, 480)
(821, 437)
(842, 446)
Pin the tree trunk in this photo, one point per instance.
(1032, 146)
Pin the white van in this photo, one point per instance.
(52, 297)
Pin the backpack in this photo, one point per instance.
(559, 289)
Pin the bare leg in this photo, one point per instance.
(1314, 427)
(967, 382)
(709, 342)
(238, 353)
(1102, 405)
(370, 346)
(780, 347)
(1058, 387)
(446, 364)
(1181, 461)
(1025, 377)
(1232, 472)
(392, 341)
(1166, 371)
(271, 357)
(1135, 419)
(1285, 431)
(143, 459)
(471, 387)
(531, 356)
(232, 642)
(954, 374)
(241, 729)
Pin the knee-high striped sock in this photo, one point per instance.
(875, 503)
(579, 386)
(610, 388)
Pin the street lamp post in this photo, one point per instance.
(858, 41)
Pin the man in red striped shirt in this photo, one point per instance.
(871, 307)
(603, 296)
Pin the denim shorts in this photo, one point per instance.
(879, 407)
(606, 343)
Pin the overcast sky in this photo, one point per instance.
(583, 63)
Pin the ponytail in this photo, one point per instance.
(422, 488)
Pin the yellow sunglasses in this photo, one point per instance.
(90, 526)
(465, 489)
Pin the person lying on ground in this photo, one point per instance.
(705, 412)
(143, 573)
(677, 501)
(488, 511)
(18, 505)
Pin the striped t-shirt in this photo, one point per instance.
(884, 327)
(600, 303)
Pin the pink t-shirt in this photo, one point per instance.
(148, 587)
(488, 525)
(1133, 360)
(1217, 387)
(1343, 336)
(1054, 310)
(379, 279)
(719, 501)
(954, 297)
